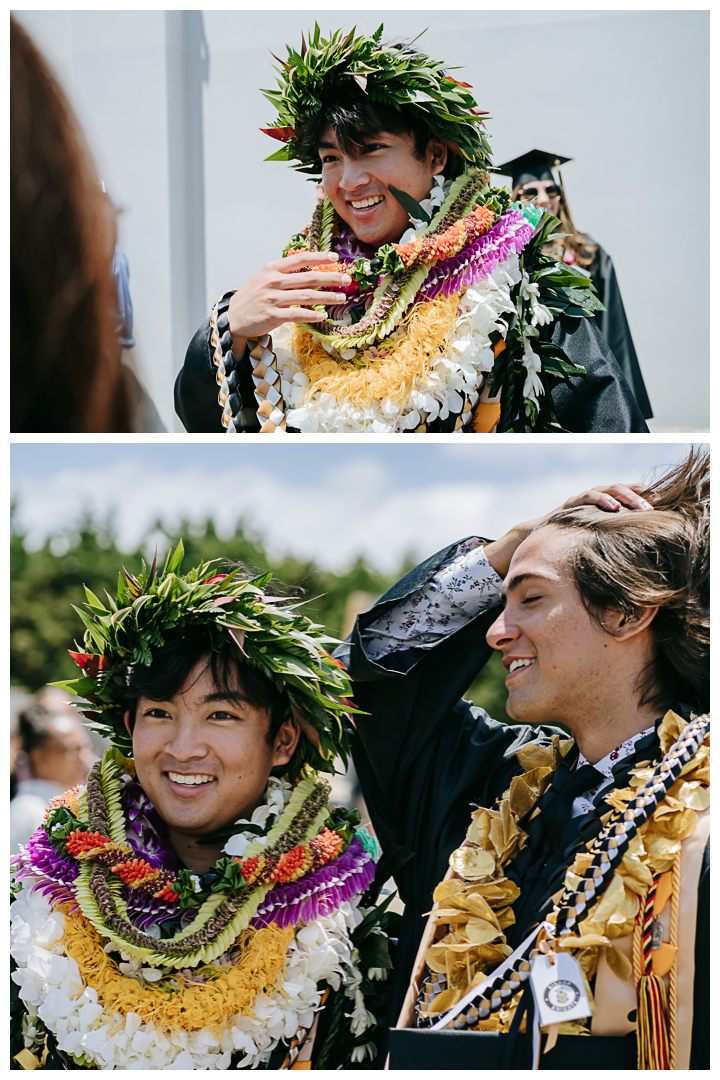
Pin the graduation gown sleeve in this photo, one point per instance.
(614, 327)
(600, 400)
(423, 754)
(196, 396)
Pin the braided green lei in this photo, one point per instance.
(223, 916)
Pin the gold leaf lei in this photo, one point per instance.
(476, 904)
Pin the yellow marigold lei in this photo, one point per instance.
(391, 367)
(475, 905)
(174, 1003)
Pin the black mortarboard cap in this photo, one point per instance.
(535, 165)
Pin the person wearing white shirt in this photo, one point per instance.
(59, 755)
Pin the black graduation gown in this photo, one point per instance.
(613, 325)
(600, 401)
(425, 757)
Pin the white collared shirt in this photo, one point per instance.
(586, 802)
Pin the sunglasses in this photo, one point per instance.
(530, 192)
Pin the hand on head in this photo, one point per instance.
(612, 498)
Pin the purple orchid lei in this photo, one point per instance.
(508, 236)
(348, 246)
(317, 894)
(55, 873)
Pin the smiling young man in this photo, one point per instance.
(194, 905)
(601, 612)
(418, 298)
(204, 747)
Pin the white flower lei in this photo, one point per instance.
(52, 989)
(459, 370)
(277, 796)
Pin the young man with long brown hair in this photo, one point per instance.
(593, 847)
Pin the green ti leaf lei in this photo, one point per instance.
(562, 289)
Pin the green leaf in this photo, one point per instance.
(560, 278)
(173, 562)
(291, 666)
(283, 154)
(371, 920)
(93, 600)
(375, 952)
(407, 202)
(79, 687)
(95, 629)
(119, 617)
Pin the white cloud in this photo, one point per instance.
(336, 510)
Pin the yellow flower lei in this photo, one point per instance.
(391, 368)
(173, 1003)
(475, 905)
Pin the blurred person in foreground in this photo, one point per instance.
(65, 366)
(56, 751)
(534, 181)
(595, 846)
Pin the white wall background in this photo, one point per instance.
(170, 102)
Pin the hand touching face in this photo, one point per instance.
(285, 291)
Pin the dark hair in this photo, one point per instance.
(65, 364)
(35, 727)
(659, 558)
(173, 662)
(355, 117)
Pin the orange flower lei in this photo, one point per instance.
(264, 869)
(136, 873)
(448, 243)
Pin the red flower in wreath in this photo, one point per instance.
(92, 665)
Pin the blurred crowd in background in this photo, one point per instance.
(50, 749)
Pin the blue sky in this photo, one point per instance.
(327, 501)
